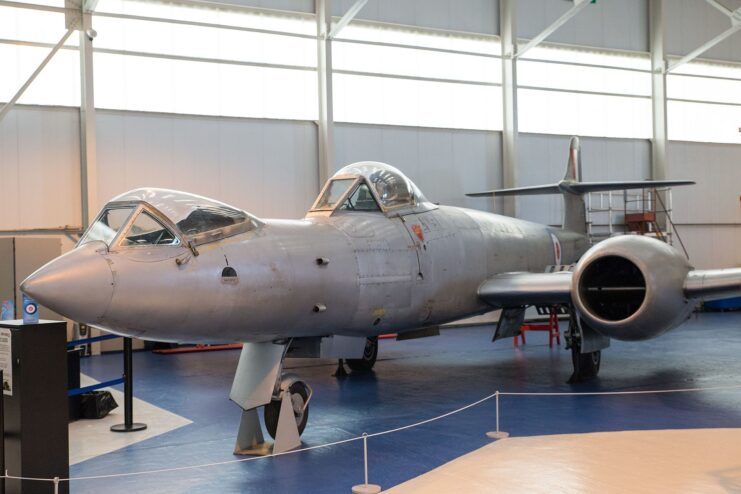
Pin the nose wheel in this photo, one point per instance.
(299, 395)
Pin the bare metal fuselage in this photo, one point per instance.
(350, 273)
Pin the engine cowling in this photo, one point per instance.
(631, 288)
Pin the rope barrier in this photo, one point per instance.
(364, 436)
(616, 393)
(93, 387)
(94, 339)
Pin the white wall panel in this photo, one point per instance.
(619, 24)
(268, 168)
(717, 170)
(712, 246)
(709, 213)
(39, 168)
(475, 16)
(690, 23)
(542, 160)
(444, 163)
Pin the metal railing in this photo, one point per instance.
(607, 212)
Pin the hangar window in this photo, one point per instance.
(145, 230)
(205, 60)
(398, 75)
(704, 102)
(106, 227)
(27, 35)
(584, 92)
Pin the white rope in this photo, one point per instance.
(614, 393)
(375, 434)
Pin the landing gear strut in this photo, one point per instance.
(586, 364)
(259, 381)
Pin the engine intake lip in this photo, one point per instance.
(612, 289)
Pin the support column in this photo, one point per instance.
(658, 90)
(658, 98)
(325, 123)
(88, 153)
(508, 35)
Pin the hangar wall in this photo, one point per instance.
(444, 163)
(39, 168)
(269, 167)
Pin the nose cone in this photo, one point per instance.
(77, 285)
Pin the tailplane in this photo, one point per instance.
(573, 189)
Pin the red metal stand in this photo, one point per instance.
(551, 326)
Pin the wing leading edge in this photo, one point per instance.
(522, 288)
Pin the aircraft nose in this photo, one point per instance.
(77, 285)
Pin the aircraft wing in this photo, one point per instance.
(522, 288)
(517, 289)
(713, 284)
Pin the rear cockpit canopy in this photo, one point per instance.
(371, 186)
(166, 217)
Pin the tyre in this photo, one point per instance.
(299, 396)
(586, 365)
(370, 354)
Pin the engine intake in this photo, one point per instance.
(631, 288)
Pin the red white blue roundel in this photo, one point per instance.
(556, 250)
(30, 308)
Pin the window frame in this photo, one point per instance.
(341, 200)
(117, 244)
(99, 217)
(133, 219)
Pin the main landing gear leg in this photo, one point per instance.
(258, 382)
(580, 338)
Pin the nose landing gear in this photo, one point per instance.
(258, 382)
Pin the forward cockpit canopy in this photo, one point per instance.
(166, 217)
(371, 186)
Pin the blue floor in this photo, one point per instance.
(415, 380)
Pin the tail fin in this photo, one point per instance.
(573, 189)
(574, 210)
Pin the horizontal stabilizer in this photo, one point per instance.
(519, 191)
(578, 188)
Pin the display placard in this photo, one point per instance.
(6, 361)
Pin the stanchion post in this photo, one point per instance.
(2, 434)
(56, 485)
(128, 425)
(366, 488)
(498, 434)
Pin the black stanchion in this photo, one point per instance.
(128, 425)
(2, 434)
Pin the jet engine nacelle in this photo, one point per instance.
(631, 288)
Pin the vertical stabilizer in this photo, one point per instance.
(574, 211)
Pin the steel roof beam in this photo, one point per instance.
(735, 18)
(347, 18)
(575, 9)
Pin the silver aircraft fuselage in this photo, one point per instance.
(348, 273)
